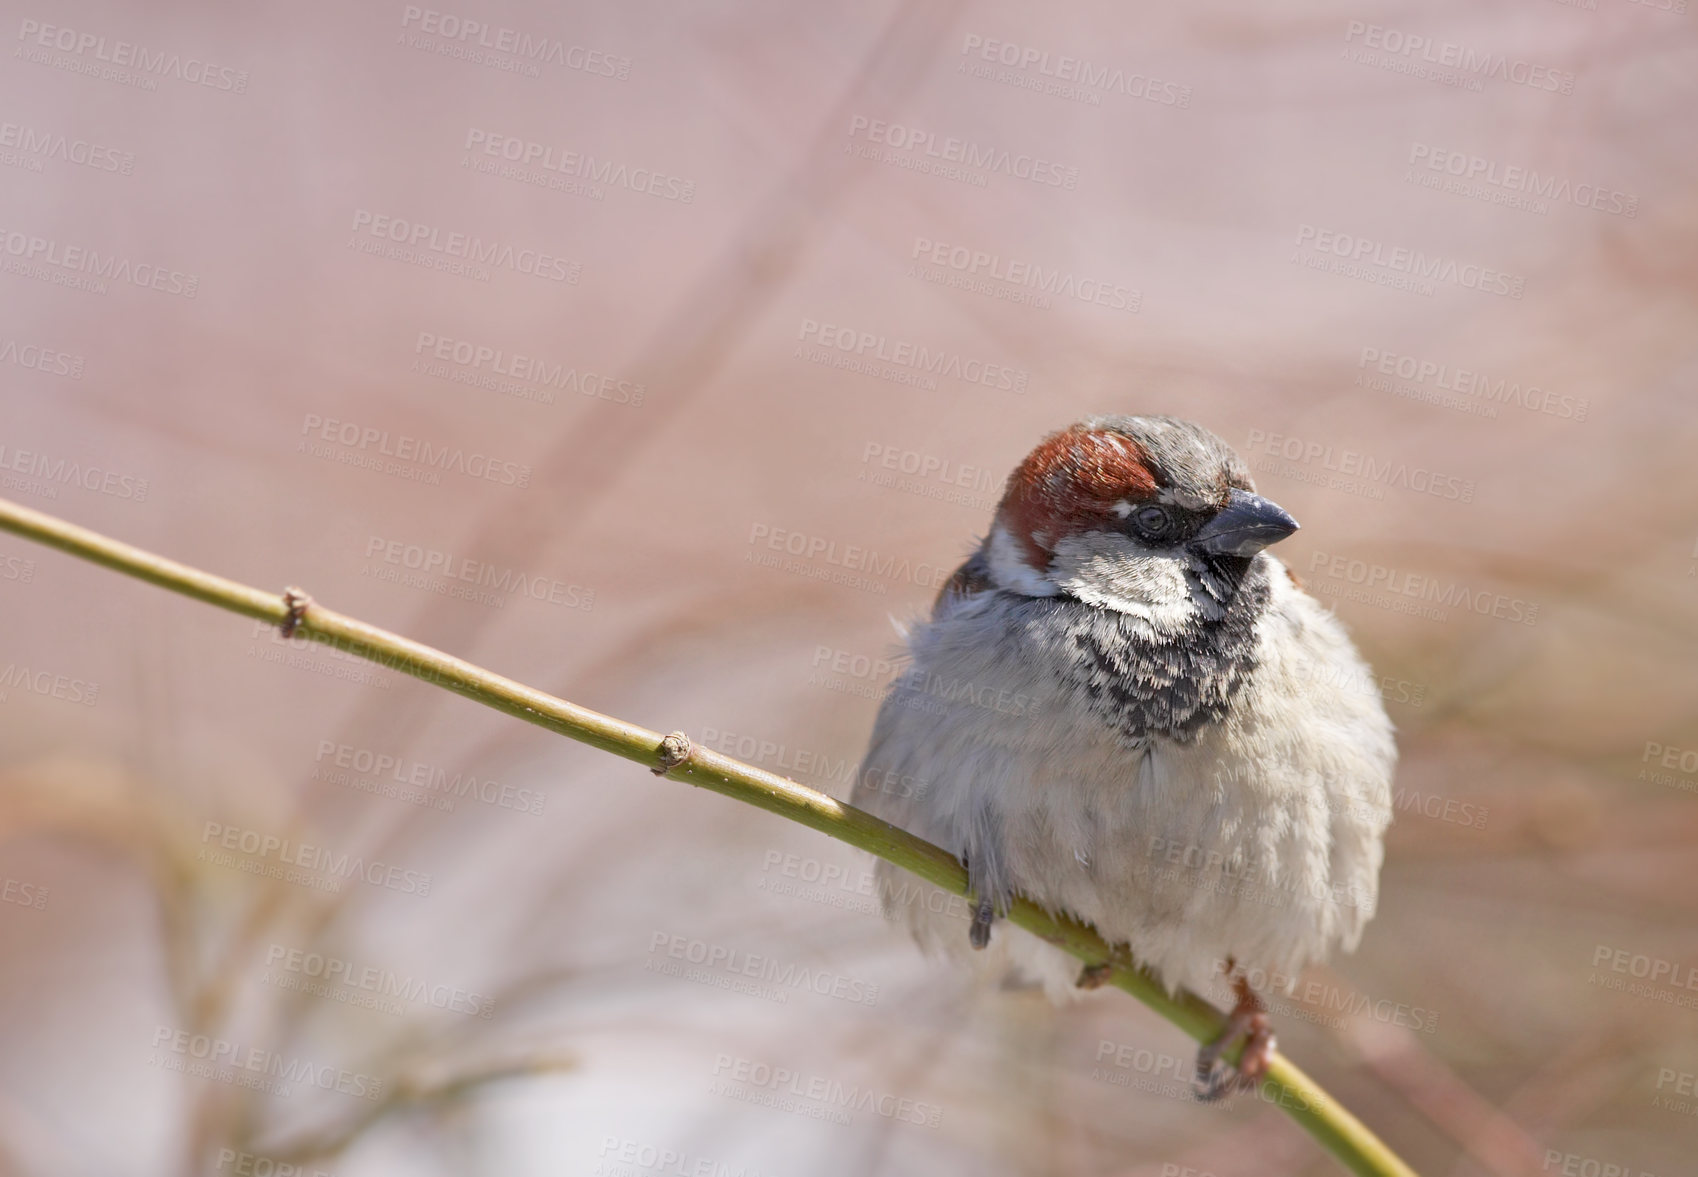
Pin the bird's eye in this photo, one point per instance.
(1153, 522)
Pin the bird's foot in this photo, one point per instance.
(1250, 1021)
(984, 894)
(1095, 976)
(984, 914)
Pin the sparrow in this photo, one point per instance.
(1127, 710)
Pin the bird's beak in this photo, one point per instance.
(1247, 524)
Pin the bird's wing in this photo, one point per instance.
(885, 784)
(969, 579)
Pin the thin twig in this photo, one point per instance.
(1286, 1086)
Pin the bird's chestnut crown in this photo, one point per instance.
(1164, 484)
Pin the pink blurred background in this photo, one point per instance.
(575, 341)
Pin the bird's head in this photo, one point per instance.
(1147, 515)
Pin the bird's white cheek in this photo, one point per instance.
(1109, 570)
(1010, 570)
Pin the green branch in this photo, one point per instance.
(1323, 1117)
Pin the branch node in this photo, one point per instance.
(297, 601)
(674, 750)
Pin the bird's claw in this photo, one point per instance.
(1215, 1080)
(1095, 976)
(984, 914)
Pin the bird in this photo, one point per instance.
(1126, 709)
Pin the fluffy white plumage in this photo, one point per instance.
(1256, 836)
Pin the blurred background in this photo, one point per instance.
(663, 358)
